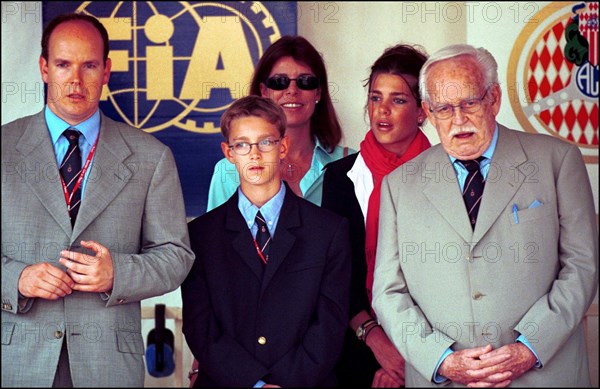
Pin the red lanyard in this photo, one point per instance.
(260, 254)
(68, 196)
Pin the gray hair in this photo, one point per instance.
(484, 59)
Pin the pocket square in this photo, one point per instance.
(534, 204)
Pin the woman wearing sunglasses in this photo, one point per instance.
(352, 188)
(292, 73)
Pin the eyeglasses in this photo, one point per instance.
(264, 146)
(467, 106)
(304, 82)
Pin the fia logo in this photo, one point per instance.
(181, 64)
(553, 74)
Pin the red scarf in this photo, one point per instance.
(381, 162)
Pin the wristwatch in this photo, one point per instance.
(361, 330)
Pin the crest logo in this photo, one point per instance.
(553, 75)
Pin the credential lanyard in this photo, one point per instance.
(260, 253)
(68, 196)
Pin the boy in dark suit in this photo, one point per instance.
(266, 302)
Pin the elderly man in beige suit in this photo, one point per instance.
(491, 293)
(74, 272)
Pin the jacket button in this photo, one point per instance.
(58, 334)
(478, 295)
(262, 340)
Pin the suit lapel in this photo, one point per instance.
(39, 160)
(504, 179)
(443, 192)
(242, 237)
(108, 175)
(284, 239)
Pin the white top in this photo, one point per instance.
(362, 178)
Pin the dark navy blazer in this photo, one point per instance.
(282, 323)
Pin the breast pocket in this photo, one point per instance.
(530, 215)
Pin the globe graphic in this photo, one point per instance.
(139, 29)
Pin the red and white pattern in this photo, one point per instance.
(549, 72)
(588, 27)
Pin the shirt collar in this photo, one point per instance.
(270, 210)
(90, 128)
(321, 155)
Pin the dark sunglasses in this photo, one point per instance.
(304, 82)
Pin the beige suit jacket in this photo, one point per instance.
(133, 205)
(438, 284)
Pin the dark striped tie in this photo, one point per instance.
(473, 189)
(263, 238)
(70, 169)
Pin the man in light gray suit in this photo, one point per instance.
(496, 297)
(74, 272)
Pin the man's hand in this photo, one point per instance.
(521, 360)
(468, 367)
(45, 281)
(90, 273)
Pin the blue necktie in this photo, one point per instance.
(473, 189)
(70, 169)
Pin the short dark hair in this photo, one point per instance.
(324, 123)
(60, 19)
(256, 106)
(401, 60)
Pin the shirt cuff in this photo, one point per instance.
(259, 384)
(438, 379)
(523, 340)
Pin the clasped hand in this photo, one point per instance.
(485, 367)
(86, 273)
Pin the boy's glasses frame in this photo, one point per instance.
(264, 146)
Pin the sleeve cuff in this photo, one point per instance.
(437, 378)
(524, 340)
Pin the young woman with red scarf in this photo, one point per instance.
(352, 188)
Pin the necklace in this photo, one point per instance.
(295, 168)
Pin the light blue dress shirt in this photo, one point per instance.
(484, 168)
(89, 128)
(270, 211)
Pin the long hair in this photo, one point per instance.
(324, 123)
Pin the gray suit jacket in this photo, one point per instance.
(133, 205)
(438, 284)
